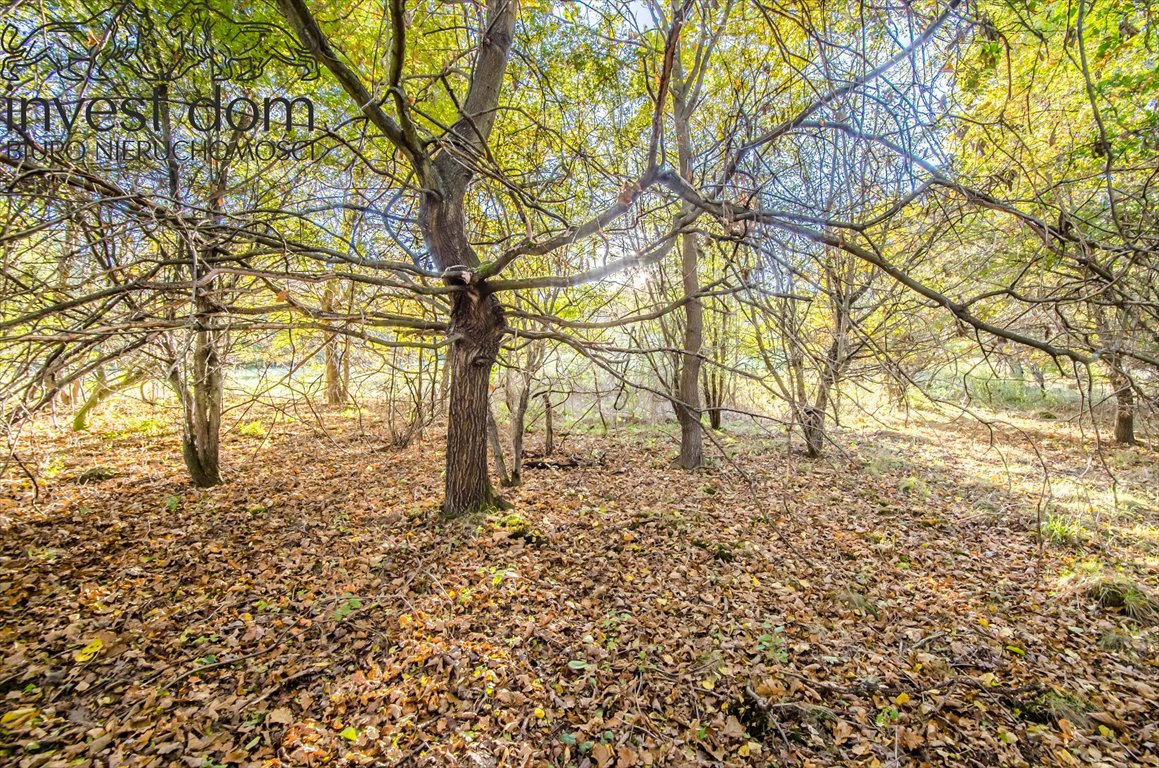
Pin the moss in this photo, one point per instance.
(854, 600)
(96, 475)
(519, 528)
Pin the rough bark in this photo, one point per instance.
(202, 410)
(477, 326)
(1124, 409)
(332, 351)
(497, 450)
(548, 426)
(688, 383)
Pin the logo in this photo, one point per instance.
(128, 84)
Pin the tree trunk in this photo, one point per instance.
(688, 407)
(1039, 377)
(548, 426)
(688, 387)
(497, 449)
(813, 425)
(102, 391)
(1125, 409)
(714, 418)
(477, 326)
(201, 434)
(518, 417)
(813, 421)
(335, 389)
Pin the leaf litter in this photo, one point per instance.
(316, 611)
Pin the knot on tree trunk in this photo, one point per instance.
(478, 323)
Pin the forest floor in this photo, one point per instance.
(890, 605)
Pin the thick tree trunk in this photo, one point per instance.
(813, 418)
(477, 326)
(1125, 409)
(201, 434)
(813, 424)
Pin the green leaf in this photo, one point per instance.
(350, 733)
(577, 664)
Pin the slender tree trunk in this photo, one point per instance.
(548, 426)
(688, 393)
(335, 390)
(518, 417)
(505, 478)
(688, 386)
(102, 391)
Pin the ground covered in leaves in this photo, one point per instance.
(890, 606)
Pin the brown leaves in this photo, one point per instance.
(259, 622)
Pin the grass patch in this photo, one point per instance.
(253, 429)
(1049, 707)
(915, 486)
(1064, 529)
(883, 462)
(1125, 596)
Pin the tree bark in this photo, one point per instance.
(1124, 409)
(477, 326)
(202, 429)
(518, 417)
(688, 386)
(813, 421)
(102, 391)
(497, 450)
(548, 426)
(335, 387)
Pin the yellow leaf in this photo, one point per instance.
(902, 699)
(89, 651)
(708, 684)
(16, 717)
(1107, 732)
(539, 713)
(744, 750)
